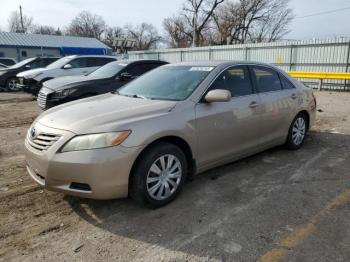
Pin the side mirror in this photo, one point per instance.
(27, 66)
(125, 76)
(67, 66)
(218, 95)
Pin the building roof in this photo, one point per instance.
(35, 40)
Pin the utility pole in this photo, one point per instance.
(21, 16)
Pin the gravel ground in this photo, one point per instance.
(275, 206)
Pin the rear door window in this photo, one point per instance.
(266, 79)
(286, 84)
(46, 61)
(236, 80)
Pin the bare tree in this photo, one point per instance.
(198, 13)
(88, 25)
(252, 20)
(178, 34)
(19, 24)
(227, 23)
(145, 34)
(275, 23)
(192, 25)
(111, 33)
(45, 30)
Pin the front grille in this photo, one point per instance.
(43, 141)
(42, 97)
(28, 81)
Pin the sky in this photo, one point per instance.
(58, 13)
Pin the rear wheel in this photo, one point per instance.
(297, 132)
(11, 84)
(159, 175)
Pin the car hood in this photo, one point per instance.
(32, 72)
(66, 81)
(4, 70)
(104, 113)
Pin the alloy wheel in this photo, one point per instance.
(12, 84)
(298, 131)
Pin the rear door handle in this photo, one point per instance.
(294, 96)
(253, 104)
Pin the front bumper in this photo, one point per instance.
(29, 85)
(104, 173)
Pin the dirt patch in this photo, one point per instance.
(236, 212)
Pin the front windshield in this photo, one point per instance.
(167, 83)
(59, 63)
(107, 71)
(22, 63)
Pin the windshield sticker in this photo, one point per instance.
(202, 68)
(123, 64)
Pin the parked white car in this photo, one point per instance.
(31, 80)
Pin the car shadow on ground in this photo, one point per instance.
(234, 211)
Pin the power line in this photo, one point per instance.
(325, 12)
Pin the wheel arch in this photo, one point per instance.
(177, 141)
(307, 115)
(45, 79)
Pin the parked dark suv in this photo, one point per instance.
(31, 81)
(105, 79)
(8, 79)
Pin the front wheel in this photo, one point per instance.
(297, 132)
(159, 175)
(11, 84)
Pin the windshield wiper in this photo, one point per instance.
(133, 96)
(115, 92)
(138, 96)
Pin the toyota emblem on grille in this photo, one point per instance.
(32, 132)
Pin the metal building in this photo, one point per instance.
(21, 46)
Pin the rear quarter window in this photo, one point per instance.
(286, 84)
(98, 61)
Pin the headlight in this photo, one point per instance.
(64, 93)
(93, 141)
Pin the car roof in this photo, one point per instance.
(104, 56)
(136, 61)
(220, 63)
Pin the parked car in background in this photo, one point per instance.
(7, 61)
(8, 78)
(164, 126)
(31, 80)
(105, 79)
(3, 66)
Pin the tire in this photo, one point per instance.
(11, 84)
(150, 184)
(297, 132)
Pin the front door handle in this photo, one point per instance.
(294, 96)
(253, 104)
